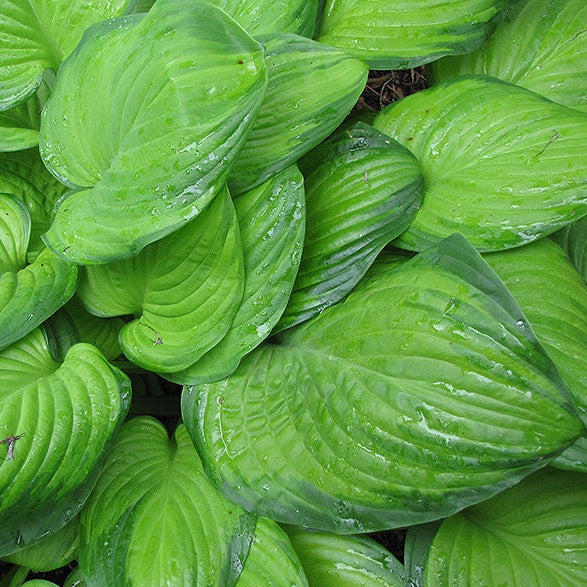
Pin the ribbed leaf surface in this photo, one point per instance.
(395, 34)
(15, 230)
(272, 221)
(295, 116)
(423, 393)
(19, 127)
(541, 46)
(154, 518)
(532, 534)
(573, 238)
(362, 190)
(63, 417)
(346, 561)
(40, 34)
(184, 290)
(502, 165)
(145, 121)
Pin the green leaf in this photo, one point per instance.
(416, 549)
(272, 559)
(15, 230)
(573, 458)
(422, 393)
(56, 420)
(573, 239)
(532, 534)
(259, 17)
(362, 190)
(294, 116)
(272, 220)
(50, 552)
(345, 561)
(19, 127)
(144, 122)
(394, 34)
(154, 518)
(541, 46)
(502, 165)
(184, 290)
(39, 34)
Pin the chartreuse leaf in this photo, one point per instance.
(362, 190)
(295, 116)
(272, 559)
(154, 518)
(23, 175)
(39, 34)
(272, 221)
(56, 420)
(554, 298)
(184, 290)
(29, 294)
(573, 238)
(394, 34)
(330, 560)
(145, 120)
(18, 128)
(259, 17)
(422, 393)
(541, 46)
(50, 552)
(532, 534)
(502, 165)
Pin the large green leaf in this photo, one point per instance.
(154, 518)
(502, 165)
(532, 534)
(362, 190)
(39, 34)
(259, 17)
(541, 46)
(573, 238)
(345, 561)
(145, 120)
(272, 221)
(184, 290)
(272, 559)
(395, 34)
(56, 421)
(423, 393)
(295, 116)
(29, 294)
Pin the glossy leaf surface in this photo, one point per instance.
(63, 417)
(422, 393)
(502, 165)
(295, 116)
(541, 46)
(154, 518)
(534, 533)
(394, 34)
(183, 290)
(362, 190)
(573, 239)
(145, 121)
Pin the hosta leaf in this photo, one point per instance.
(18, 128)
(272, 220)
(23, 175)
(184, 290)
(345, 561)
(294, 116)
(61, 418)
(573, 238)
(146, 117)
(154, 518)
(541, 46)
(39, 34)
(15, 230)
(416, 550)
(573, 458)
(502, 165)
(272, 559)
(532, 534)
(259, 17)
(362, 190)
(423, 393)
(394, 34)
(51, 552)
